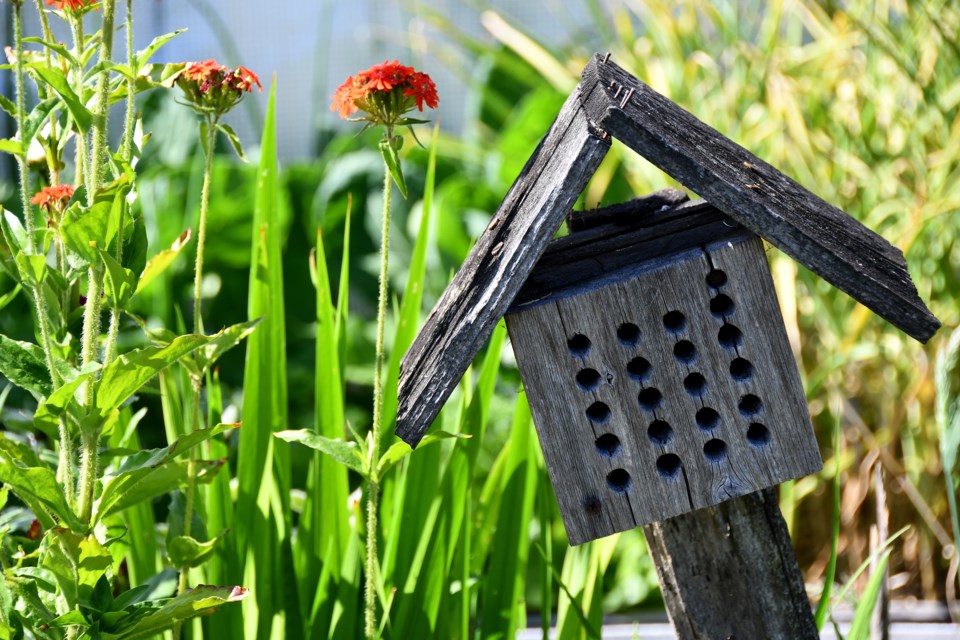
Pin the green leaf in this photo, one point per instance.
(119, 283)
(36, 120)
(85, 229)
(22, 363)
(185, 551)
(343, 451)
(860, 625)
(225, 340)
(9, 296)
(38, 488)
(125, 375)
(8, 106)
(400, 450)
(164, 258)
(32, 268)
(55, 79)
(55, 47)
(13, 231)
(70, 619)
(231, 136)
(143, 56)
(149, 473)
(168, 612)
(60, 403)
(392, 160)
(13, 147)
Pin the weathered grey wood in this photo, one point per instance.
(625, 213)
(812, 231)
(604, 253)
(729, 571)
(563, 336)
(463, 318)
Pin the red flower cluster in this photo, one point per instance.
(72, 5)
(212, 88)
(385, 91)
(56, 196)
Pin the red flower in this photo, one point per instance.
(72, 5)
(55, 196)
(423, 90)
(385, 92)
(212, 88)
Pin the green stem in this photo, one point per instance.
(89, 441)
(22, 126)
(100, 117)
(52, 150)
(82, 171)
(373, 492)
(207, 144)
(130, 119)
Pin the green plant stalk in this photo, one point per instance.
(89, 461)
(101, 116)
(202, 224)
(21, 125)
(82, 177)
(183, 583)
(373, 491)
(53, 160)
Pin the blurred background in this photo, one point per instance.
(859, 101)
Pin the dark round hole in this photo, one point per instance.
(660, 432)
(715, 450)
(650, 398)
(628, 333)
(588, 379)
(741, 369)
(674, 322)
(591, 504)
(707, 418)
(618, 480)
(716, 278)
(695, 384)
(639, 368)
(721, 306)
(758, 435)
(730, 336)
(685, 351)
(598, 412)
(608, 445)
(579, 345)
(750, 405)
(668, 465)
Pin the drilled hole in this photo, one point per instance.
(685, 352)
(668, 465)
(741, 369)
(650, 398)
(674, 322)
(750, 405)
(695, 384)
(730, 336)
(715, 450)
(618, 480)
(721, 306)
(639, 369)
(588, 379)
(591, 504)
(716, 278)
(608, 445)
(579, 345)
(758, 435)
(598, 412)
(628, 333)
(707, 418)
(660, 432)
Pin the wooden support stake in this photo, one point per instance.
(729, 572)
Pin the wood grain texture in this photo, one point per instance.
(480, 293)
(730, 571)
(700, 411)
(625, 213)
(815, 233)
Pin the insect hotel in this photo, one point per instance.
(649, 340)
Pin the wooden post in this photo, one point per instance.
(729, 572)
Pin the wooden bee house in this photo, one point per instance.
(652, 350)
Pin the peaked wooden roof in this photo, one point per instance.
(611, 102)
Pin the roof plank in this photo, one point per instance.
(817, 234)
(498, 265)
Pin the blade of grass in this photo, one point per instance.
(820, 617)
(860, 626)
